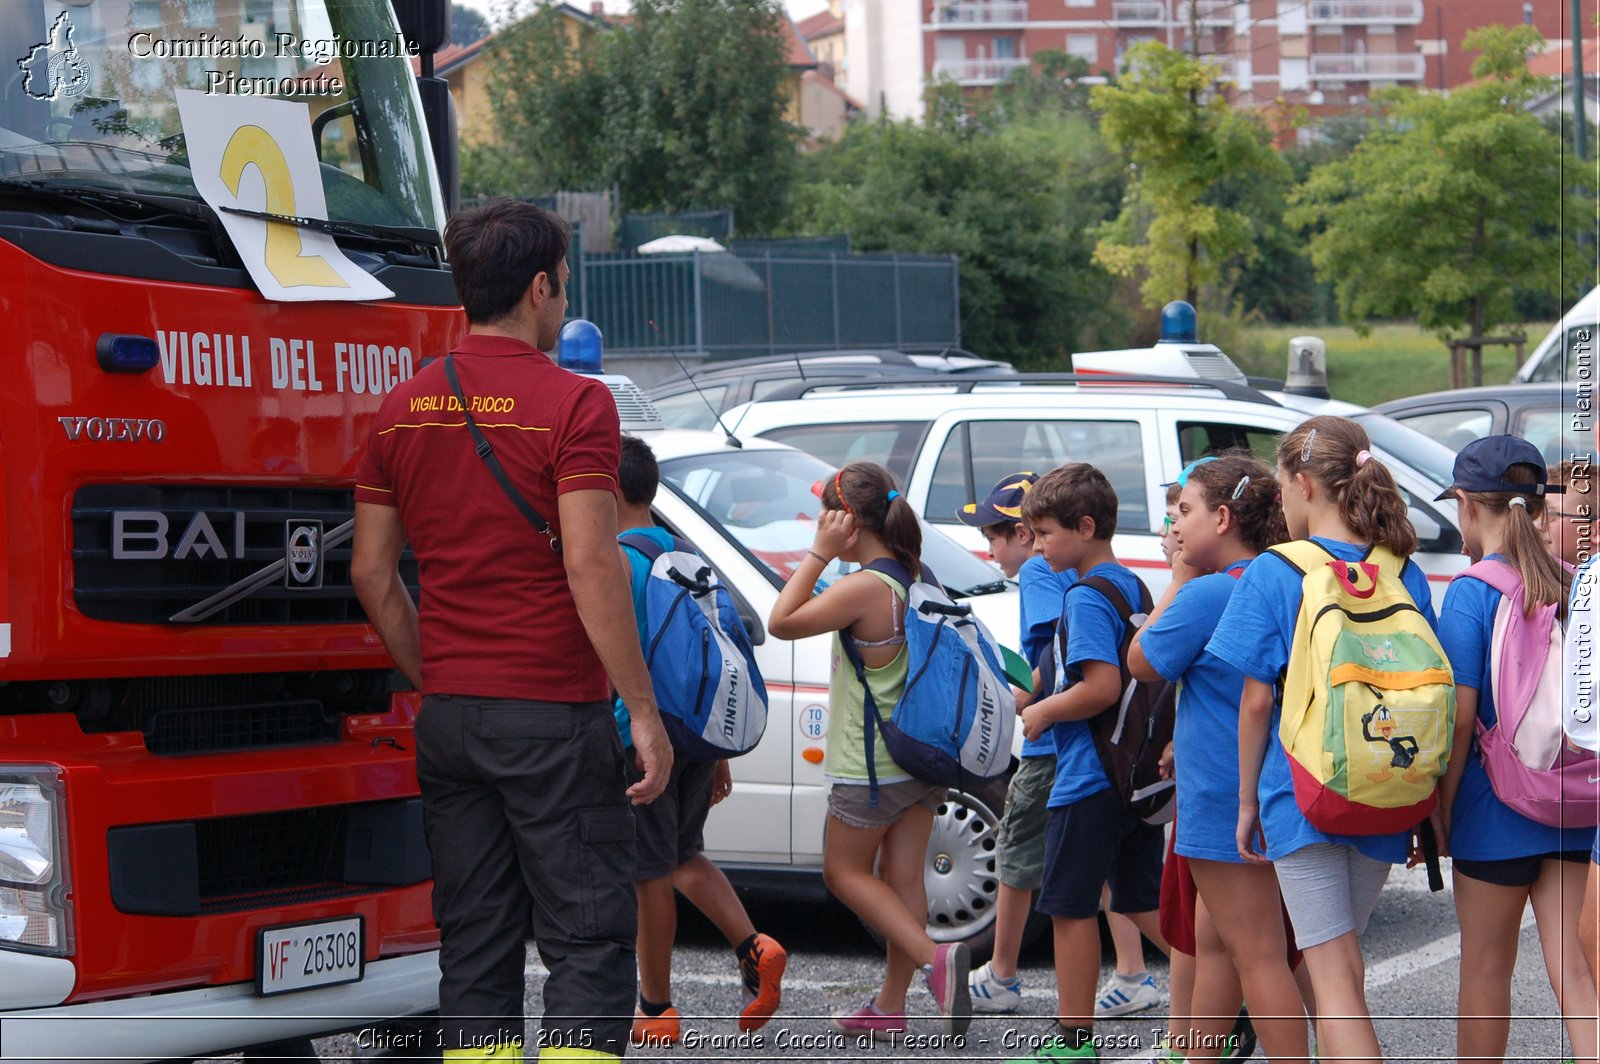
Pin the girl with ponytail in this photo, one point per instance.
(1228, 513)
(874, 849)
(1335, 492)
(1502, 859)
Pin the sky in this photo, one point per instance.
(798, 9)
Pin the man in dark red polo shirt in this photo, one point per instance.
(516, 651)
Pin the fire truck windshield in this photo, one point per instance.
(89, 96)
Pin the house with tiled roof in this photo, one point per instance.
(1556, 62)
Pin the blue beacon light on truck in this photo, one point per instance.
(581, 347)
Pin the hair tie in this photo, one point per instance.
(1305, 451)
(893, 495)
(1518, 500)
(838, 489)
(1363, 456)
(1238, 489)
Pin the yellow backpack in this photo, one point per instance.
(1369, 702)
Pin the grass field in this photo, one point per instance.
(1390, 362)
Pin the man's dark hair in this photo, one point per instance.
(497, 250)
(1069, 493)
(638, 474)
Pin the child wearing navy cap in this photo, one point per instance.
(1503, 860)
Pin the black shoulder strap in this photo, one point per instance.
(1109, 592)
(487, 454)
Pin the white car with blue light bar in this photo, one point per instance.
(1139, 415)
(750, 509)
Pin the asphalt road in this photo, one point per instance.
(1412, 951)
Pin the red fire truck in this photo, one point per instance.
(210, 830)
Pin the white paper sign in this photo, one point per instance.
(256, 154)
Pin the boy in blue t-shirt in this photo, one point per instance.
(1091, 837)
(995, 987)
(670, 830)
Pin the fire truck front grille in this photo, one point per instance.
(267, 852)
(253, 727)
(267, 860)
(207, 554)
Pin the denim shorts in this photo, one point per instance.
(851, 803)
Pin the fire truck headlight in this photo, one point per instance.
(33, 881)
(27, 834)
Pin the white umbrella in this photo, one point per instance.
(679, 242)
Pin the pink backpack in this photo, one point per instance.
(1531, 766)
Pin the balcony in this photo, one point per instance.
(980, 13)
(1367, 66)
(1364, 12)
(1139, 12)
(969, 72)
(1207, 12)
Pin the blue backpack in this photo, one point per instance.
(953, 724)
(712, 698)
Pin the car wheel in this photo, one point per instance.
(962, 874)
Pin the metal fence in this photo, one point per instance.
(723, 305)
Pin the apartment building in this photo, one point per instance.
(1322, 54)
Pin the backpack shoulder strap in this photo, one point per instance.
(894, 570)
(1109, 592)
(651, 549)
(1499, 575)
(1301, 555)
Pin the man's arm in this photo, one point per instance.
(599, 581)
(375, 573)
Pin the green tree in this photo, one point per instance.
(1451, 204)
(467, 25)
(1183, 142)
(1015, 202)
(683, 105)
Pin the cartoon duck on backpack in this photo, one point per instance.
(1403, 748)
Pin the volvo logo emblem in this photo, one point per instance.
(302, 559)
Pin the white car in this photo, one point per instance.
(949, 441)
(751, 513)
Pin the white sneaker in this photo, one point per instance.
(990, 993)
(1124, 995)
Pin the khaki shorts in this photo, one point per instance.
(850, 802)
(1020, 840)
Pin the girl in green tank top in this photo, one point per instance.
(873, 854)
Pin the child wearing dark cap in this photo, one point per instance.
(995, 987)
(1503, 860)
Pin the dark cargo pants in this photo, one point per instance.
(530, 833)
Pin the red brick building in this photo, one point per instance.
(1323, 54)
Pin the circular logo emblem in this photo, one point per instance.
(305, 552)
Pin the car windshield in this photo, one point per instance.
(90, 100)
(763, 500)
(1429, 457)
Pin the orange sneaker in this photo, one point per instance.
(656, 1031)
(762, 974)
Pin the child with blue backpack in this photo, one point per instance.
(1091, 836)
(1538, 852)
(670, 830)
(1352, 526)
(879, 815)
(1228, 513)
(1019, 844)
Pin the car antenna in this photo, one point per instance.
(733, 441)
